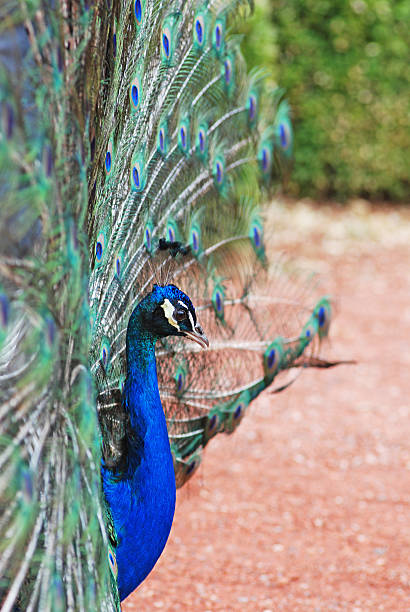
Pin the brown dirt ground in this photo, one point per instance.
(306, 507)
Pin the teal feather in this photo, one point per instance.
(195, 233)
(163, 139)
(135, 149)
(202, 141)
(284, 136)
(138, 172)
(218, 36)
(201, 27)
(169, 38)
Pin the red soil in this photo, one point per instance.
(306, 506)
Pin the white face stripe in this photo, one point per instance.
(191, 318)
(169, 311)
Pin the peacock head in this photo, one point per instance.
(168, 311)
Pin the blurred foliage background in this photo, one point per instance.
(345, 67)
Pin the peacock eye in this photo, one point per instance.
(180, 315)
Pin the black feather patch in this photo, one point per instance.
(174, 247)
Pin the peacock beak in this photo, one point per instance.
(198, 336)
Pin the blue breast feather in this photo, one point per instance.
(142, 502)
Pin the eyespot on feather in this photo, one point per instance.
(162, 139)
(218, 37)
(212, 425)
(195, 240)
(137, 173)
(202, 142)
(218, 297)
(309, 331)
(172, 231)
(166, 40)
(118, 264)
(135, 93)
(180, 379)
(105, 351)
(169, 37)
(148, 237)
(138, 12)
(4, 310)
(256, 237)
(191, 465)
(236, 411)
(114, 39)
(183, 136)
(109, 158)
(219, 171)
(323, 313)
(112, 562)
(265, 156)
(199, 31)
(100, 246)
(272, 358)
(228, 71)
(285, 135)
(252, 107)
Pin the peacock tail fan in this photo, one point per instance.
(134, 149)
(54, 551)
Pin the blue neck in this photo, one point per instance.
(143, 502)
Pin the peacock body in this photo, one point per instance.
(142, 501)
(134, 152)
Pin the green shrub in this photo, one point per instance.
(259, 38)
(345, 67)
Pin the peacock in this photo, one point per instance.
(139, 315)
